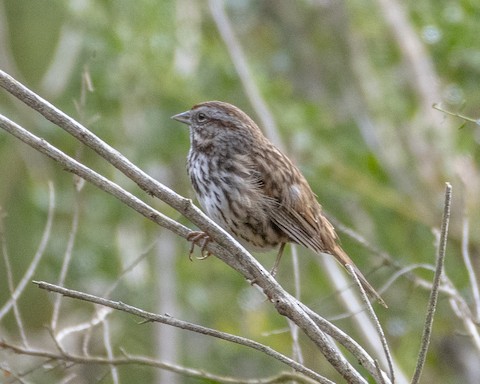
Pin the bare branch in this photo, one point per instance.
(432, 303)
(347, 342)
(458, 304)
(459, 115)
(108, 347)
(391, 261)
(374, 318)
(98, 318)
(165, 319)
(294, 331)
(141, 360)
(462, 311)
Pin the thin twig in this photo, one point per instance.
(462, 311)
(432, 303)
(377, 365)
(375, 321)
(101, 313)
(368, 327)
(66, 259)
(469, 267)
(164, 319)
(454, 114)
(391, 261)
(10, 282)
(294, 331)
(458, 304)
(37, 257)
(108, 347)
(404, 271)
(99, 317)
(129, 268)
(348, 343)
(358, 238)
(141, 360)
(55, 341)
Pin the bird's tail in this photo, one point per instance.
(345, 260)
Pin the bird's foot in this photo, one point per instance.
(274, 271)
(200, 239)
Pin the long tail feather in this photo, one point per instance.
(344, 259)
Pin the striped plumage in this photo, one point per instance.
(251, 189)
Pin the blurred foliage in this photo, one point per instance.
(341, 90)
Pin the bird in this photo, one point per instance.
(252, 189)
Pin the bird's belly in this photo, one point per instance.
(238, 211)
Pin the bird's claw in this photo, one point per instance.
(200, 239)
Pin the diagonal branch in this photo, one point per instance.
(168, 320)
(375, 320)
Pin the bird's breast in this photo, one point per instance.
(230, 198)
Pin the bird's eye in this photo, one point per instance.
(201, 117)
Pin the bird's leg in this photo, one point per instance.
(196, 238)
(273, 271)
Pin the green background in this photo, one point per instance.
(350, 89)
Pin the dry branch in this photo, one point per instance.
(432, 302)
(169, 320)
(226, 248)
(141, 360)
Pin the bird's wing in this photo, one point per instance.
(301, 219)
(295, 208)
(297, 212)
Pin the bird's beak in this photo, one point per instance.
(183, 117)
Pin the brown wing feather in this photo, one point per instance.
(299, 215)
(320, 238)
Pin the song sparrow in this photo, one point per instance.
(251, 189)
